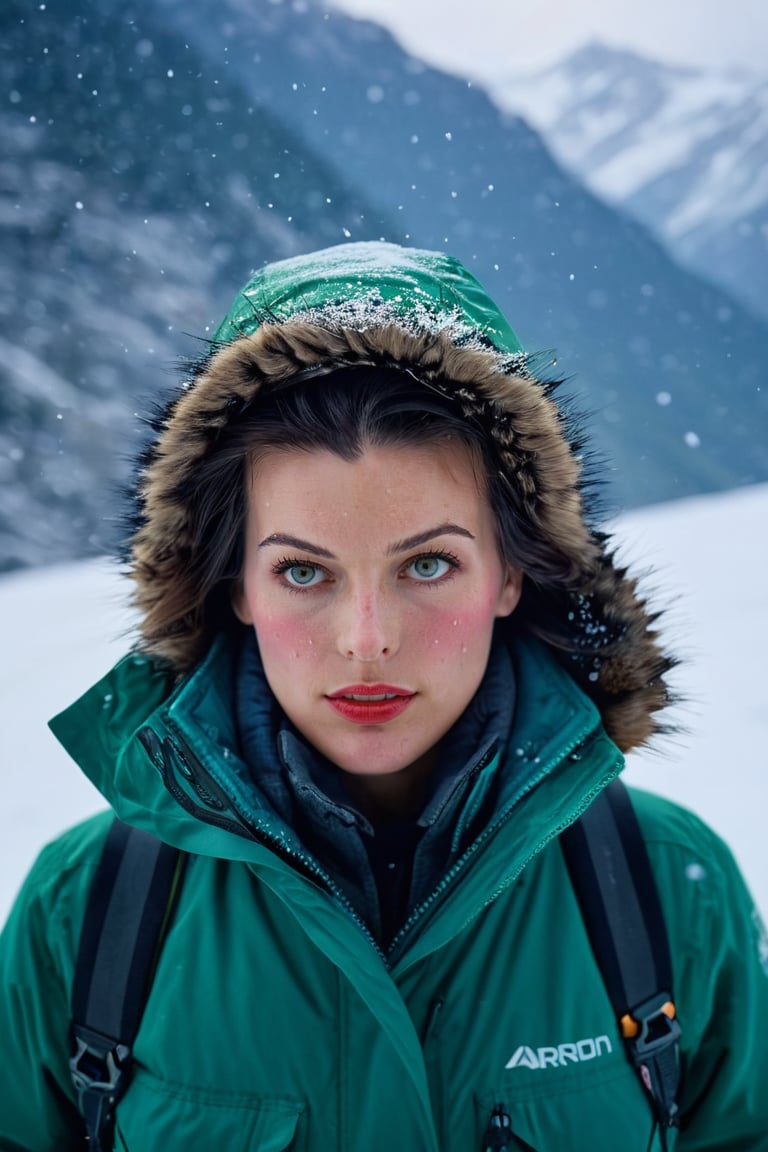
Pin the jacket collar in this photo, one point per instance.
(165, 758)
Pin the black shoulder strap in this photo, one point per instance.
(611, 874)
(129, 907)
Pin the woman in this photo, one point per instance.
(385, 660)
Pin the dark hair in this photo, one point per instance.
(343, 411)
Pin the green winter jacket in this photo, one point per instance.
(274, 1022)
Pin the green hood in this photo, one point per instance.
(361, 283)
(422, 313)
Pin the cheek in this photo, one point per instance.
(284, 638)
(465, 628)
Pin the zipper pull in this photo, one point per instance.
(498, 1136)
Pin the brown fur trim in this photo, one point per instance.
(586, 609)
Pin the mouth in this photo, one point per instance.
(370, 703)
(369, 699)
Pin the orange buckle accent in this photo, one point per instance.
(629, 1027)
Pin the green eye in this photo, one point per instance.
(428, 567)
(303, 575)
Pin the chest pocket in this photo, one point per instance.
(596, 1111)
(158, 1116)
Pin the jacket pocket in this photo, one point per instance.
(598, 1114)
(159, 1116)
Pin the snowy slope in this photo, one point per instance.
(709, 557)
(196, 139)
(64, 626)
(683, 149)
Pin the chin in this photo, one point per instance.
(366, 762)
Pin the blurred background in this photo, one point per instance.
(602, 169)
(613, 198)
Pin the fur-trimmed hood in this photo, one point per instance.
(422, 312)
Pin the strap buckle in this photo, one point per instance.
(97, 1068)
(651, 1024)
(651, 1031)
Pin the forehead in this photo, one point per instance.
(384, 486)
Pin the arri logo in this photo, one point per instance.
(576, 1053)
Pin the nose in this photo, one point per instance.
(367, 629)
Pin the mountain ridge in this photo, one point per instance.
(682, 149)
(176, 163)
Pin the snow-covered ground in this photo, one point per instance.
(64, 626)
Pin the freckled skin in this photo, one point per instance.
(367, 616)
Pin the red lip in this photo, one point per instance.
(370, 690)
(370, 711)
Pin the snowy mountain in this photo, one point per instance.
(154, 155)
(682, 149)
(64, 626)
(136, 193)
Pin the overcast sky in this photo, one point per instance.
(466, 36)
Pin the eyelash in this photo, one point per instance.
(287, 562)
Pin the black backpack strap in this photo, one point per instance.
(611, 875)
(129, 908)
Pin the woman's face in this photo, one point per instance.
(372, 586)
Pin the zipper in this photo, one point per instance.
(192, 769)
(492, 829)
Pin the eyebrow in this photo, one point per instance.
(399, 545)
(424, 537)
(295, 542)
